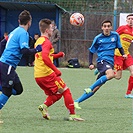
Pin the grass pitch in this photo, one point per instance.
(105, 112)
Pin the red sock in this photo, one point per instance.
(52, 99)
(130, 85)
(69, 101)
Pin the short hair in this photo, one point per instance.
(44, 24)
(24, 17)
(106, 21)
(129, 15)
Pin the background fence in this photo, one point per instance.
(76, 40)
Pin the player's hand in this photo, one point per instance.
(39, 48)
(124, 56)
(57, 72)
(91, 67)
(62, 54)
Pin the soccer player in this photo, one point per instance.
(47, 75)
(16, 46)
(126, 37)
(104, 45)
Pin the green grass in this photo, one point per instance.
(106, 112)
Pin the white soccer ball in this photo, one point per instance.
(77, 19)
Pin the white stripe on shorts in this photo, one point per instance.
(9, 70)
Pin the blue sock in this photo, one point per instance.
(13, 91)
(84, 97)
(99, 82)
(3, 100)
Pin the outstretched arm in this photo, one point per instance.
(58, 55)
(91, 66)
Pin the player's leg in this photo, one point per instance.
(13, 90)
(118, 74)
(4, 96)
(50, 100)
(7, 92)
(103, 67)
(106, 73)
(6, 83)
(118, 66)
(130, 83)
(51, 93)
(128, 63)
(96, 72)
(17, 87)
(84, 97)
(68, 100)
(87, 95)
(69, 103)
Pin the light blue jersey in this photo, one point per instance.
(105, 46)
(18, 39)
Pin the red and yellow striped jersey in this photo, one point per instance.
(126, 37)
(43, 58)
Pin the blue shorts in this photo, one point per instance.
(103, 66)
(8, 76)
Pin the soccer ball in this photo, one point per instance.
(77, 19)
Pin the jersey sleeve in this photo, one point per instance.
(118, 41)
(93, 47)
(24, 40)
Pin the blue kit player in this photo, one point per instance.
(16, 46)
(104, 45)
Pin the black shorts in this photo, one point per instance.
(8, 76)
(103, 66)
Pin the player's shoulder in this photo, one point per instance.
(98, 36)
(122, 27)
(19, 31)
(40, 40)
(114, 33)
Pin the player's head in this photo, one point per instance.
(25, 18)
(45, 27)
(129, 20)
(106, 27)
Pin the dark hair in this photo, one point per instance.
(129, 15)
(24, 17)
(44, 24)
(106, 21)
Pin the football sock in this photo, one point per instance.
(69, 103)
(98, 82)
(84, 97)
(13, 91)
(130, 85)
(3, 100)
(52, 99)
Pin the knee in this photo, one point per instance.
(118, 77)
(110, 76)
